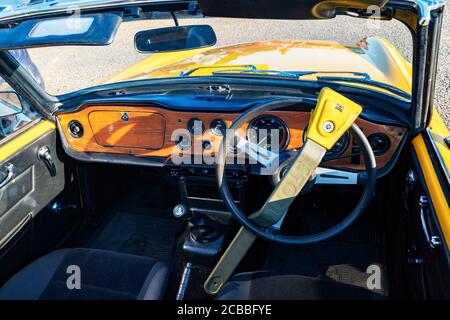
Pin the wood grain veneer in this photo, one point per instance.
(149, 131)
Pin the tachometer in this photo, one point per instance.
(268, 132)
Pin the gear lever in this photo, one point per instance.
(202, 228)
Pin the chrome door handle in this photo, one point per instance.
(45, 155)
(433, 241)
(11, 169)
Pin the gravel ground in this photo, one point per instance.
(70, 68)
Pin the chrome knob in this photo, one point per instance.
(180, 211)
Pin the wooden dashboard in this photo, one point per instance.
(148, 131)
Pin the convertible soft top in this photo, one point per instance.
(17, 10)
(285, 9)
(12, 10)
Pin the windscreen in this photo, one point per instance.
(345, 47)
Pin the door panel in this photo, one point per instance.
(15, 142)
(13, 192)
(429, 216)
(27, 193)
(32, 187)
(434, 182)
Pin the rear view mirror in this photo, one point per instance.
(175, 38)
(10, 104)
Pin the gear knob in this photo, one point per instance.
(180, 211)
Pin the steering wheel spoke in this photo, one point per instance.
(337, 177)
(276, 227)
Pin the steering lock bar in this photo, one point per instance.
(333, 116)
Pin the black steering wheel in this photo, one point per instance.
(266, 232)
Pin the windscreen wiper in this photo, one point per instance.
(356, 77)
(368, 81)
(249, 69)
(264, 73)
(230, 68)
(252, 70)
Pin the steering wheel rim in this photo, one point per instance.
(364, 201)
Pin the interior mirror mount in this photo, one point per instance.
(10, 104)
(175, 39)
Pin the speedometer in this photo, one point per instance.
(268, 132)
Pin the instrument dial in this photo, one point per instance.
(268, 132)
(379, 142)
(218, 127)
(338, 149)
(183, 141)
(196, 126)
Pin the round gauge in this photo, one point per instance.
(339, 147)
(218, 127)
(196, 126)
(268, 132)
(183, 141)
(75, 129)
(379, 142)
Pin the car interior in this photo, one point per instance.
(103, 190)
(174, 215)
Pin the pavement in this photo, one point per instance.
(69, 68)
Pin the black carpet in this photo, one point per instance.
(346, 257)
(342, 262)
(139, 234)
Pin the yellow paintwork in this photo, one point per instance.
(336, 110)
(439, 132)
(374, 56)
(153, 62)
(441, 206)
(25, 138)
(438, 199)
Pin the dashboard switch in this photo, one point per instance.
(207, 145)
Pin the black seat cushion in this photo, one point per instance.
(264, 285)
(104, 275)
